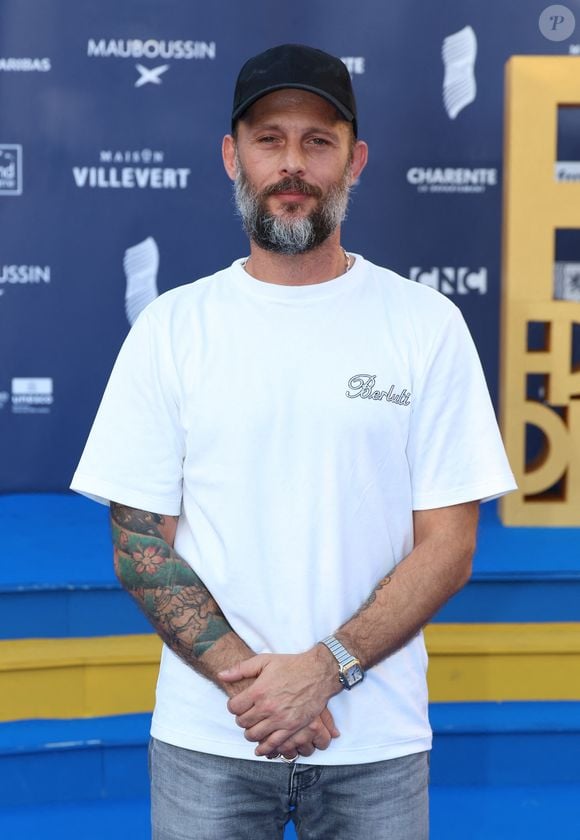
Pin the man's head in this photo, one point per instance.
(293, 152)
(296, 67)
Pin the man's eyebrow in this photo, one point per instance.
(313, 129)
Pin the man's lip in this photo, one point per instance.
(289, 193)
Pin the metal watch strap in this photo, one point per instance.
(340, 653)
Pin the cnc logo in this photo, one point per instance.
(567, 281)
(24, 65)
(450, 179)
(141, 264)
(128, 170)
(459, 52)
(452, 281)
(32, 395)
(363, 385)
(10, 169)
(23, 275)
(159, 51)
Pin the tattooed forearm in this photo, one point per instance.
(373, 596)
(167, 589)
(139, 521)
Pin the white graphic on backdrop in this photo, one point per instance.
(32, 395)
(151, 49)
(23, 275)
(148, 175)
(141, 264)
(567, 281)
(10, 169)
(459, 88)
(24, 65)
(451, 179)
(150, 75)
(452, 281)
(355, 64)
(567, 170)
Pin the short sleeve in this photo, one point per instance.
(134, 453)
(454, 450)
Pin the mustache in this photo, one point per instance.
(292, 184)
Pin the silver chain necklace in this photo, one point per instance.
(348, 261)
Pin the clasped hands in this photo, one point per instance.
(285, 709)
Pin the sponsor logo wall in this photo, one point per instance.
(112, 189)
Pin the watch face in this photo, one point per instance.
(351, 675)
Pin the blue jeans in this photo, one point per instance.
(196, 796)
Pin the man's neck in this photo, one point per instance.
(317, 266)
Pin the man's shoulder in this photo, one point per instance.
(410, 295)
(188, 296)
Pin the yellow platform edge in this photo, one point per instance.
(112, 675)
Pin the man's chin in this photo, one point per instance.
(300, 206)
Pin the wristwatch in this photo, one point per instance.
(350, 672)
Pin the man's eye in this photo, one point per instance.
(267, 139)
(319, 141)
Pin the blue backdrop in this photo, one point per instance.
(112, 187)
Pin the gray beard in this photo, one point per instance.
(284, 234)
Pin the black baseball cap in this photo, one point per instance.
(295, 66)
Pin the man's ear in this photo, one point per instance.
(360, 156)
(229, 156)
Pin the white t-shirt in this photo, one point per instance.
(295, 429)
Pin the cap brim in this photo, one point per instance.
(348, 115)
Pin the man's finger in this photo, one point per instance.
(240, 704)
(251, 667)
(272, 742)
(328, 721)
(306, 739)
(318, 737)
(253, 717)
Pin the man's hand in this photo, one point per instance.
(317, 736)
(285, 708)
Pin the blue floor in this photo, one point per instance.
(470, 813)
(64, 585)
(500, 771)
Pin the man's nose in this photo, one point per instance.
(292, 161)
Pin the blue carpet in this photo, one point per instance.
(56, 573)
(504, 813)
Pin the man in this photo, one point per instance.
(294, 450)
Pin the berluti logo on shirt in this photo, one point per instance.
(363, 385)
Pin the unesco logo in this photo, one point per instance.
(10, 169)
(32, 395)
(452, 281)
